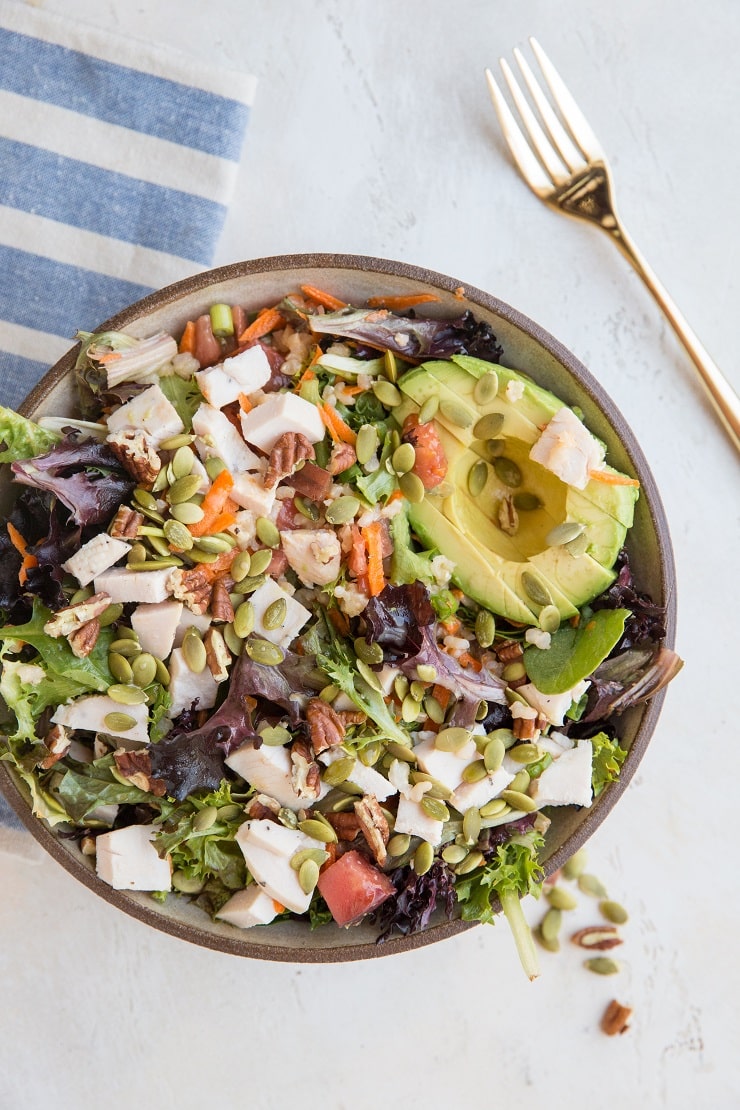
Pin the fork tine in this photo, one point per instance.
(572, 114)
(568, 152)
(529, 167)
(537, 137)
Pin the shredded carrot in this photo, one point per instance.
(451, 626)
(399, 303)
(457, 594)
(468, 660)
(222, 522)
(612, 479)
(353, 389)
(373, 535)
(307, 376)
(187, 343)
(278, 906)
(214, 570)
(213, 505)
(442, 695)
(339, 431)
(323, 298)
(395, 496)
(265, 321)
(244, 403)
(21, 545)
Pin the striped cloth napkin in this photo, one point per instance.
(118, 160)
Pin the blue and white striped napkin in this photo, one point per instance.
(118, 160)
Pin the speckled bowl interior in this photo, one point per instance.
(526, 347)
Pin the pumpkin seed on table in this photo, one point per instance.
(342, 510)
(576, 865)
(262, 651)
(486, 388)
(126, 695)
(489, 426)
(561, 899)
(613, 912)
(602, 965)
(119, 722)
(428, 410)
(551, 924)
(550, 945)
(589, 884)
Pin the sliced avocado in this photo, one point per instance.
(482, 578)
(605, 534)
(536, 404)
(579, 577)
(616, 500)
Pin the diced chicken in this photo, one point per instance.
(90, 713)
(149, 412)
(478, 793)
(126, 859)
(295, 618)
(244, 528)
(249, 907)
(217, 387)
(95, 556)
(156, 625)
(386, 676)
(412, 819)
(187, 620)
(315, 554)
(568, 450)
(567, 781)
(217, 436)
(368, 779)
(126, 586)
(201, 471)
(251, 494)
(250, 368)
(268, 769)
(446, 767)
(553, 706)
(555, 743)
(268, 849)
(281, 412)
(186, 686)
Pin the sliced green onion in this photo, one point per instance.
(222, 322)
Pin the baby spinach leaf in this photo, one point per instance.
(575, 653)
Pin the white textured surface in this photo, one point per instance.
(372, 133)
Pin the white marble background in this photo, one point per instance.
(372, 133)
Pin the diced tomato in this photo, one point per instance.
(352, 887)
(431, 463)
(357, 561)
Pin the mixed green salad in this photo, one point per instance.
(317, 611)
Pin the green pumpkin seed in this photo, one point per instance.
(240, 567)
(456, 413)
(613, 912)
(452, 739)
(589, 884)
(367, 443)
(80, 596)
(535, 589)
(178, 535)
(157, 563)
(342, 510)
(399, 845)
(369, 675)
(129, 649)
(287, 817)
(526, 502)
(387, 393)
(493, 755)
(233, 642)
(485, 628)
(275, 736)
(561, 899)
(423, 858)
(213, 545)
(319, 830)
(489, 426)
(417, 691)
(174, 443)
(549, 618)
(186, 884)
(520, 782)
(120, 667)
(435, 808)
(404, 458)
(602, 965)
(329, 693)
(251, 583)
(244, 620)
(308, 875)
(306, 508)
(229, 812)
(126, 695)
(260, 562)
(160, 482)
(438, 789)
(183, 462)
(472, 860)
(214, 466)
(369, 653)
(454, 854)
(162, 675)
(182, 489)
(578, 546)
(370, 754)
(194, 651)
(262, 651)
(149, 530)
(551, 924)
(275, 614)
(400, 751)
(160, 545)
(426, 672)
(205, 818)
(494, 447)
(339, 771)
(525, 753)
(401, 686)
(126, 633)
(267, 532)
(471, 825)
(507, 471)
(477, 478)
(318, 855)
(434, 710)
(410, 709)
(474, 772)
(110, 615)
(119, 722)
(137, 553)
(493, 808)
(564, 533)
(576, 865)
(187, 512)
(343, 804)
(486, 388)
(412, 487)
(520, 801)
(145, 499)
(549, 945)
(144, 669)
(389, 366)
(428, 410)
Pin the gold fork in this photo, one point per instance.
(564, 164)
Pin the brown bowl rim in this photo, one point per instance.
(240, 945)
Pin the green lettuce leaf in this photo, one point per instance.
(27, 693)
(184, 395)
(606, 761)
(575, 653)
(95, 784)
(407, 565)
(206, 855)
(43, 804)
(57, 657)
(364, 697)
(21, 438)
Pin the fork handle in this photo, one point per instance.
(724, 398)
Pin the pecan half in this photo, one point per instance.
(311, 481)
(342, 458)
(324, 725)
(509, 651)
(221, 607)
(616, 1018)
(71, 617)
(350, 717)
(289, 449)
(57, 741)
(262, 806)
(191, 587)
(305, 773)
(135, 452)
(599, 937)
(374, 826)
(345, 825)
(84, 638)
(137, 768)
(218, 656)
(126, 523)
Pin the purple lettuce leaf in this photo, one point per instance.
(414, 338)
(411, 907)
(42, 523)
(629, 678)
(472, 688)
(396, 618)
(85, 476)
(647, 620)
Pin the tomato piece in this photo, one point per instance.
(431, 462)
(352, 887)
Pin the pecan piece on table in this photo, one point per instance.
(126, 523)
(374, 826)
(599, 937)
(135, 452)
(137, 768)
(342, 457)
(616, 1018)
(305, 774)
(289, 449)
(324, 725)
